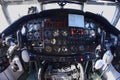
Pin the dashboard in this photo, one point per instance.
(64, 35)
(63, 32)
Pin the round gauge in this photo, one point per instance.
(30, 27)
(53, 41)
(64, 33)
(36, 27)
(92, 33)
(36, 35)
(30, 36)
(92, 25)
(87, 25)
(48, 49)
(47, 33)
(56, 33)
(86, 32)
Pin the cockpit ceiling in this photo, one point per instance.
(52, 0)
(76, 0)
(18, 1)
(12, 2)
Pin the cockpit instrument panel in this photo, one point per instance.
(62, 35)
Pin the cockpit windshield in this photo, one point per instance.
(103, 10)
(15, 11)
(3, 21)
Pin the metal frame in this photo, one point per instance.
(5, 11)
(116, 15)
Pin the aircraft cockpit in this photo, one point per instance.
(60, 40)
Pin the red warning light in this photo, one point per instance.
(72, 31)
(81, 59)
(81, 32)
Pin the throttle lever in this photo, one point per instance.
(19, 39)
(103, 37)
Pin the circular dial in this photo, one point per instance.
(92, 33)
(30, 27)
(56, 33)
(30, 36)
(87, 25)
(48, 49)
(64, 33)
(92, 25)
(47, 33)
(36, 27)
(53, 41)
(37, 35)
